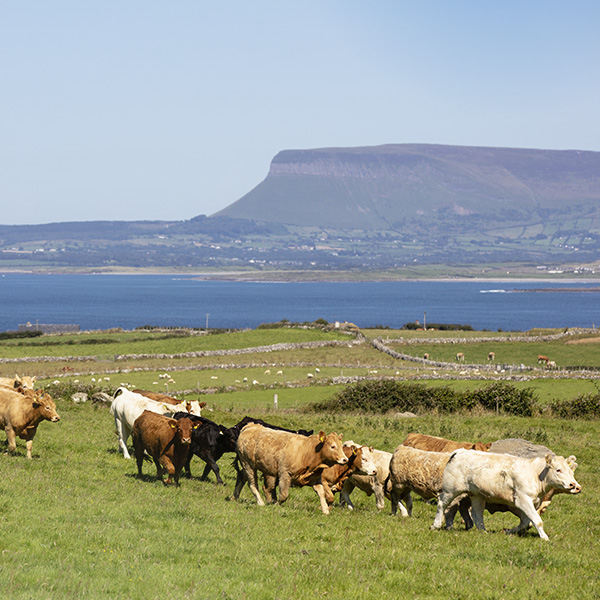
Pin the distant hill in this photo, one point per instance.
(357, 209)
(401, 186)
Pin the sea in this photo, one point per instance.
(130, 301)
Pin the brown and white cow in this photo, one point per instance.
(166, 440)
(505, 479)
(360, 462)
(438, 444)
(370, 485)
(421, 471)
(21, 413)
(460, 357)
(285, 459)
(491, 356)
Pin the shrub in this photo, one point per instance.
(580, 407)
(385, 395)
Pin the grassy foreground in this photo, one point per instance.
(77, 523)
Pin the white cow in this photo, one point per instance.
(369, 484)
(510, 480)
(127, 406)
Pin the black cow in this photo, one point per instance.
(209, 443)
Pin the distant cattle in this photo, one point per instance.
(286, 459)
(192, 406)
(360, 462)
(370, 485)
(426, 356)
(166, 440)
(460, 357)
(491, 356)
(25, 382)
(438, 444)
(420, 471)
(505, 479)
(127, 406)
(209, 442)
(542, 359)
(21, 413)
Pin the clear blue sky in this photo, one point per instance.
(147, 109)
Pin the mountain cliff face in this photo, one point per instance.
(399, 186)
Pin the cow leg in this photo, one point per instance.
(239, 484)
(464, 506)
(123, 433)
(525, 504)
(169, 468)
(270, 489)
(12, 439)
(397, 496)
(211, 464)
(379, 495)
(285, 482)
(523, 524)
(252, 478)
(320, 489)
(444, 500)
(345, 494)
(477, 508)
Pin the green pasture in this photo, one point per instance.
(565, 352)
(152, 343)
(77, 523)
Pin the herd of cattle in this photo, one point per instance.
(507, 475)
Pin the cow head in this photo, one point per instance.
(558, 474)
(182, 429)
(44, 404)
(482, 447)
(330, 447)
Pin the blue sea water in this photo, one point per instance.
(129, 301)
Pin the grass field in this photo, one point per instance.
(77, 523)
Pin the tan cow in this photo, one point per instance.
(193, 407)
(285, 459)
(21, 413)
(166, 440)
(421, 471)
(438, 444)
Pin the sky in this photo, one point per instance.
(151, 110)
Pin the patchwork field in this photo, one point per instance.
(78, 523)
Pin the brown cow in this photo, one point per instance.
(543, 359)
(166, 440)
(21, 413)
(438, 444)
(18, 382)
(158, 397)
(286, 459)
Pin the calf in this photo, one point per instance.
(420, 471)
(505, 479)
(287, 459)
(438, 444)
(360, 462)
(127, 406)
(166, 440)
(370, 485)
(209, 442)
(21, 413)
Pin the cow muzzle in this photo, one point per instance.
(575, 487)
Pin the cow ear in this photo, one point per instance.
(341, 436)
(196, 425)
(173, 425)
(354, 450)
(548, 459)
(572, 462)
(322, 437)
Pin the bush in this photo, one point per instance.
(387, 395)
(15, 335)
(581, 407)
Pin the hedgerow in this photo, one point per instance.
(584, 406)
(387, 395)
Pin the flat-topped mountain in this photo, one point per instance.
(399, 185)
